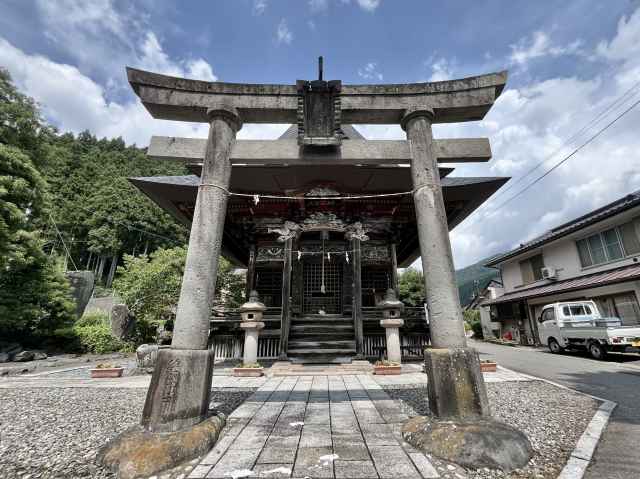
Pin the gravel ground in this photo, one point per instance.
(552, 418)
(56, 432)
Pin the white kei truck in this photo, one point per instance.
(579, 325)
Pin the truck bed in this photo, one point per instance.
(600, 332)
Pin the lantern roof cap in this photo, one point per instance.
(253, 304)
(390, 301)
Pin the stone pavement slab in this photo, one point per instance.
(343, 427)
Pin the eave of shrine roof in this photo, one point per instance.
(463, 194)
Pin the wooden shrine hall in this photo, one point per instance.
(321, 241)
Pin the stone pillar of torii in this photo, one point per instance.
(178, 396)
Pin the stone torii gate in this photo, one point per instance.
(178, 396)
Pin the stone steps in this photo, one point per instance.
(321, 339)
(325, 344)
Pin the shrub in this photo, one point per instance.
(97, 339)
(90, 334)
(150, 286)
(472, 318)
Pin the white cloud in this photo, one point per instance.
(527, 126)
(153, 58)
(441, 69)
(366, 5)
(103, 40)
(540, 45)
(369, 5)
(370, 72)
(259, 7)
(283, 34)
(74, 102)
(626, 44)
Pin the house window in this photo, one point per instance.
(609, 245)
(531, 269)
(630, 239)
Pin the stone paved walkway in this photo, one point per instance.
(316, 427)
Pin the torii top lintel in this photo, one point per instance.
(172, 98)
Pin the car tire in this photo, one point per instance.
(554, 346)
(597, 350)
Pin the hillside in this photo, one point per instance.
(466, 277)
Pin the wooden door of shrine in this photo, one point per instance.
(314, 300)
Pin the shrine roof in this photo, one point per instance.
(462, 196)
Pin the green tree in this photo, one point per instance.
(34, 295)
(150, 285)
(411, 287)
(472, 318)
(20, 122)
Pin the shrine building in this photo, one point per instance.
(321, 242)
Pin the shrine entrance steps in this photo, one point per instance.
(321, 339)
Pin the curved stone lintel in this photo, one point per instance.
(139, 77)
(170, 98)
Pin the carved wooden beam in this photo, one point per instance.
(352, 152)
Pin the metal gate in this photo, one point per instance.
(314, 299)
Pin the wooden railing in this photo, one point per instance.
(232, 315)
(229, 346)
(372, 313)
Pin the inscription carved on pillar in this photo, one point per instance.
(169, 388)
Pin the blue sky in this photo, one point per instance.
(567, 60)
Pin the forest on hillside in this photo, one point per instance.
(66, 204)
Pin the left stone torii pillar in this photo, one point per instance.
(179, 393)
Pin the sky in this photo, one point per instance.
(573, 67)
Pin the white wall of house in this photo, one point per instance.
(562, 255)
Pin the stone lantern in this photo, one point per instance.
(391, 308)
(251, 313)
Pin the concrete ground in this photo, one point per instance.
(617, 378)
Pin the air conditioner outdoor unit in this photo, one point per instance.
(549, 273)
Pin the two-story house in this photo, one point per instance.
(595, 256)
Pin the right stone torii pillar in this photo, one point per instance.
(456, 390)
(456, 387)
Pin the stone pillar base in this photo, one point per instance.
(180, 390)
(471, 442)
(455, 387)
(137, 453)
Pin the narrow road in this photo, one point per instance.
(617, 378)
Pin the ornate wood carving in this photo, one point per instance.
(356, 231)
(270, 253)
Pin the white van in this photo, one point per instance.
(579, 325)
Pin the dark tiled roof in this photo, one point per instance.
(350, 133)
(618, 206)
(618, 275)
(193, 180)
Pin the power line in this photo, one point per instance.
(63, 243)
(570, 155)
(599, 117)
